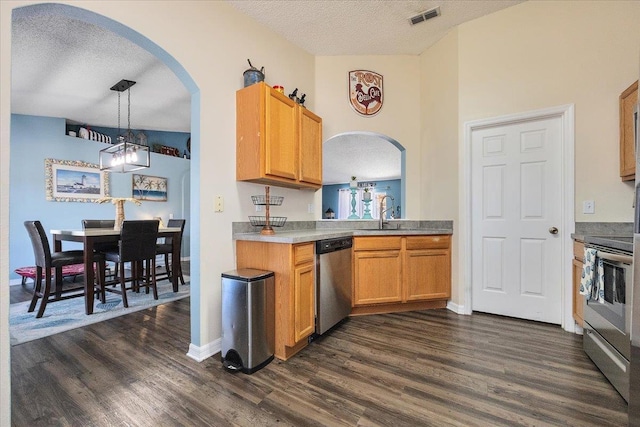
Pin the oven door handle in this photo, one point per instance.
(625, 259)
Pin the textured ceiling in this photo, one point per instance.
(365, 155)
(364, 27)
(62, 67)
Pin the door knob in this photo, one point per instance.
(553, 230)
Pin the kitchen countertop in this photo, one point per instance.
(421, 228)
(601, 229)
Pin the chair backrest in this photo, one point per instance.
(138, 240)
(98, 223)
(175, 223)
(40, 243)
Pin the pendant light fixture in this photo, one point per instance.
(125, 155)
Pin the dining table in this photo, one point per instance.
(90, 236)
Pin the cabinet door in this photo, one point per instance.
(310, 135)
(281, 145)
(628, 101)
(303, 302)
(578, 300)
(427, 274)
(378, 277)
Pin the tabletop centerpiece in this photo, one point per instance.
(119, 203)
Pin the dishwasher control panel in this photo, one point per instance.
(331, 245)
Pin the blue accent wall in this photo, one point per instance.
(391, 187)
(34, 139)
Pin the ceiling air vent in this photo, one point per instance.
(423, 16)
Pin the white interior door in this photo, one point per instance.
(516, 203)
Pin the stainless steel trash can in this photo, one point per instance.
(248, 319)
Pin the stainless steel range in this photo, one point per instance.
(607, 320)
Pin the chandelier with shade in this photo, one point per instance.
(125, 155)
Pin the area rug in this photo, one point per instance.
(69, 314)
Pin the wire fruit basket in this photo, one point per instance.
(274, 221)
(267, 222)
(264, 200)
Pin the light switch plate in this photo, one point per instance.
(219, 204)
(588, 207)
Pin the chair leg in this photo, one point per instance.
(37, 289)
(102, 278)
(153, 279)
(45, 295)
(167, 266)
(123, 287)
(58, 278)
(147, 276)
(180, 276)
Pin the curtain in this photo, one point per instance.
(344, 203)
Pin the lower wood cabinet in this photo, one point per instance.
(294, 268)
(395, 273)
(377, 270)
(578, 300)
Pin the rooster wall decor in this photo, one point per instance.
(366, 93)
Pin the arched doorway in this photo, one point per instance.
(369, 156)
(85, 16)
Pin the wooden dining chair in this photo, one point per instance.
(103, 246)
(137, 246)
(166, 249)
(47, 260)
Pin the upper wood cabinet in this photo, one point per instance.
(628, 102)
(278, 142)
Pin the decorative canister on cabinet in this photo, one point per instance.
(253, 75)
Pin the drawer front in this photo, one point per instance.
(303, 253)
(578, 250)
(377, 243)
(428, 242)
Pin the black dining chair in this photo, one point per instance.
(137, 246)
(47, 260)
(166, 249)
(103, 246)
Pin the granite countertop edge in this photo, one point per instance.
(311, 235)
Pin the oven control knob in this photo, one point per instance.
(553, 230)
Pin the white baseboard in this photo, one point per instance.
(15, 282)
(456, 308)
(205, 351)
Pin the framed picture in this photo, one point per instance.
(151, 188)
(74, 181)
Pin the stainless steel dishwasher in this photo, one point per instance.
(333, 282)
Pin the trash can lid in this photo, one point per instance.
(247, 274)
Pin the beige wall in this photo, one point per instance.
(543, 54)
(439, 126)
(532, 56)
(212, 41)
(399, 117)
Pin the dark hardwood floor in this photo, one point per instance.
(428, 368)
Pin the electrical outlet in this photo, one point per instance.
(310, 208)
(170, 216)
(258, 208)
(588, 207)
(219, 204)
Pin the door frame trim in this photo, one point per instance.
(566, 113)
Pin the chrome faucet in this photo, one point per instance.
(382, 212)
